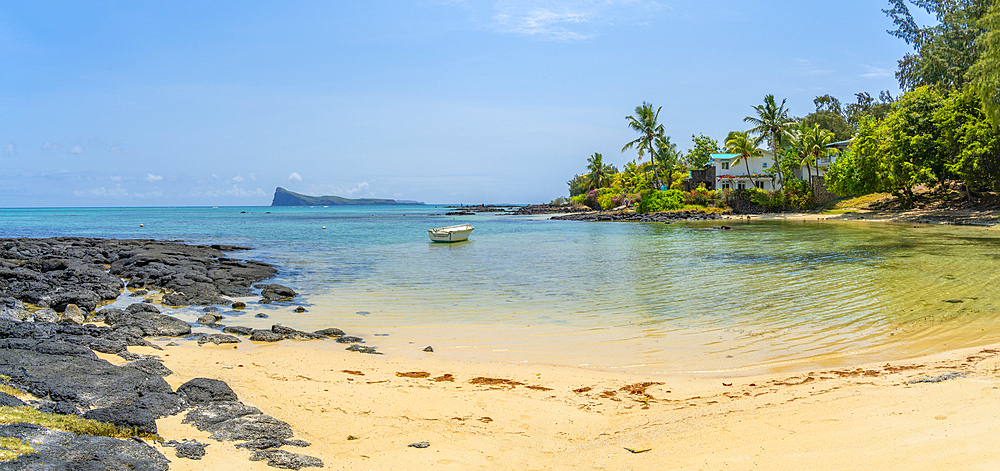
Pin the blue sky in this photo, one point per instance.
(112, 103)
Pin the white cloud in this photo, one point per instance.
(875, 72)
(361, 186)
(116, 149)
(562, 20)
(238, 178)
(253, 177)
(77, 149)
(49, 145)
(102, 191)
(153, 178)
(295, 177)
(10, 150)
(116, 178)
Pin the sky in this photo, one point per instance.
(174, 103)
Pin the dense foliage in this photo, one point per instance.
(928, 137)
(668, 200)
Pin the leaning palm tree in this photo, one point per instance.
(771, 123)
(644, 122)
(745, 147)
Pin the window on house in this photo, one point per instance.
(725, 186)
(764, 164)
(725, 165)
(759, 184)
(741, 186)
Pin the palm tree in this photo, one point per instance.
(746, 147)
(644, 122)
(599, 173)
(668, 156)
(814, 142)
(771, 123)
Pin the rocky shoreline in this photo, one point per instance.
(622, 216)
(51, 288)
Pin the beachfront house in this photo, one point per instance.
(731, 173)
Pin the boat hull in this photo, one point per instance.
(450, 234)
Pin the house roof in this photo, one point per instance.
(724, 156)
(840, 143)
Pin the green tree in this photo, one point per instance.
(984, 75)
(771, 123)
(701, 154)
(667, 157)
(746, 147)
(968, 141)
(830, 116)
(645, 123)
(944, 51)
(578, 185)
(600, 173)
(814, 141)
(868, 107)
(857, 171)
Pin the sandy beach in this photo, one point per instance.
(362, 412)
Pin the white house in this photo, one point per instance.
(734, 175)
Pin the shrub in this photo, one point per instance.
(578, 199)
(591, 199)
(669, 200)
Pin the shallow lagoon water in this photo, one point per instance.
(650, 298)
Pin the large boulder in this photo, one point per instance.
(145, 320)
(203, 390)
(275, 292)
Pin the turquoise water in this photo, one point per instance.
(626, 296)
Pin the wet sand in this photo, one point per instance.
(545, 417)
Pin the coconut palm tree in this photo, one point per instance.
(746, 147)
(667, 156)
(772, 123)
(813, 142)
(645, 123)
(600, 174)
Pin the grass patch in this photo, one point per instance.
(12, 391)
(69, 423)
(861, 202)
(11, 448)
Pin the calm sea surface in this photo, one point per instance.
(632, 297)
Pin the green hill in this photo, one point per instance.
(283, 197)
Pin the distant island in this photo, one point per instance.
(283, 197)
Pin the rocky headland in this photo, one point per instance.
(52, 322)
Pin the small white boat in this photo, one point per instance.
(451, 233)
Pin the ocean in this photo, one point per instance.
(635, 297)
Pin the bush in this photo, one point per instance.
(669, 200)
(590, 199)
(578, 199)
(798, 194)
(702, 197)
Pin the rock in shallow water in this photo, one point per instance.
(260, 335)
